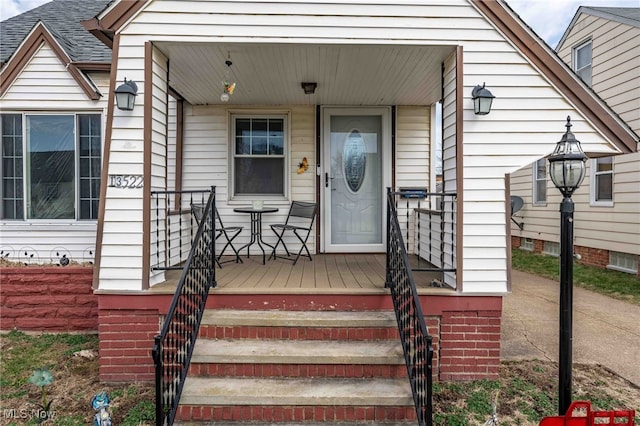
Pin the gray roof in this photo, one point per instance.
(627, 15)
(62, 19)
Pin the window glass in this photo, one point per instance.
(603, 184)
(12, 183)
(60, 168)
(540, 182)
(50, 167)
(582, 61)
(259, 160)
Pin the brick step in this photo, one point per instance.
(311, 325)
(299, 400)
(298, 358)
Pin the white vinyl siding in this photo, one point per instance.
(44, 81)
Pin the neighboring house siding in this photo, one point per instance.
(45, 86)
(615, 63)
(615, 77)
(494, 145)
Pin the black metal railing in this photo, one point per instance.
(417, 344)
(427, 222)
(173, 347)
(175, 226)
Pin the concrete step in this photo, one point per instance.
(303, 400)
(297, 352)
(312, 325)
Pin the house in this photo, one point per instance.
(601, 46)
(240, 95)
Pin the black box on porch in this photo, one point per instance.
(413, 192)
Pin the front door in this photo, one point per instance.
(357, 162)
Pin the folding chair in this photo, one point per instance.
(299, 221)
(229, 232)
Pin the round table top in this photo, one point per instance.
(252, 210)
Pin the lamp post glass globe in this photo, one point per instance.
(567, 166)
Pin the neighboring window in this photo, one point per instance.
(582, 61)
(259, 155)
(540, 182)
(602, 181)
(623, 262)
(551, 248)
(51, 170)
(526, 244)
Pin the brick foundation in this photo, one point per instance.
(126, 341)
(589, 256)
(49, 299)
(470, 345)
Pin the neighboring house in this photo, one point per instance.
(379, 71)
(602, 46)
(54, 83)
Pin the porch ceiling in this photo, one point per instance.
(271, 74)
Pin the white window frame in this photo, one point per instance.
(581, 71)
(593, 183)
(77, 178)
(253, 114)
(536, 199)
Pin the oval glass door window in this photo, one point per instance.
(354, 160)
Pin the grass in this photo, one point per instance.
(75, 382)
(610, 283)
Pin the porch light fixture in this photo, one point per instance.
(567, 169)
(126, 95)
(228, 85)
(482, 99)
(309, 87)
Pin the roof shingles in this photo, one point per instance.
(63, 19)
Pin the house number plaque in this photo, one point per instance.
(125, 181)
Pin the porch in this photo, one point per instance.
(328, 273)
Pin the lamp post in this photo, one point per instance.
(567, 169)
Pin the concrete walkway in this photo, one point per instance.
(605, 331)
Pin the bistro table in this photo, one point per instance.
(256, 228)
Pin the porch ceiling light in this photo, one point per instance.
(228, 85)
(482, 99)
(309, 87)
(126, 95)
(567, 163)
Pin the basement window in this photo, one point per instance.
(623, 262)
(551, 248)
(527, 244)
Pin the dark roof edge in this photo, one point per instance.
(105, 26)
(548, 62)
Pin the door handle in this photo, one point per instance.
(326, 180)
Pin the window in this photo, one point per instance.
(551, 248)
(623, 262)
(259, 156)
(602, 181)
(51, 166)
(582, 61)
(540, 182)
(527, 244)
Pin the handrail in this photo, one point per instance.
(173, 347)
(417, 344)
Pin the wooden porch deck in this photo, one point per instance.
(361, 273)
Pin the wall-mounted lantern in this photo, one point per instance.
(482, 99)
(126, 95)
